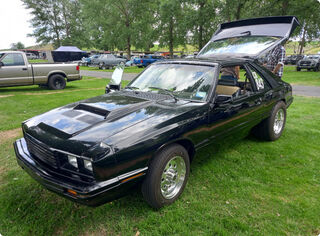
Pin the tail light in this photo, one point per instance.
(78, 68)
(141, 61)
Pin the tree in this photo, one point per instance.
(201, 21)
(172, 24)
(18, 45)
(54, 21)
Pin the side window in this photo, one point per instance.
(13, 59)
(260, 82)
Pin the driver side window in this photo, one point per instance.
(13, 59)
(234, 82)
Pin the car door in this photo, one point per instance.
(249, 38)
(14, 71)
(238, 114)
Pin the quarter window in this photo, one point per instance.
(261, 83)
(13, 59)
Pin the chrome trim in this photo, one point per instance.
(23, 152)
(121, 177)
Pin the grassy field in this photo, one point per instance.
(132, 69)
(303, 77)
(238, 188)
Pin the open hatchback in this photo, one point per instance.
(249, 38)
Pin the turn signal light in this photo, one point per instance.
(72, 192)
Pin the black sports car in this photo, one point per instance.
(95, 150)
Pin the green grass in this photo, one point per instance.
(37, 61)
(236, 188)
(303, 77)
(131, 69)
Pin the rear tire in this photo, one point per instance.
(167, 176)
(57, 82)
(271, 128)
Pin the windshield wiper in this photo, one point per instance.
(131, 87)
(166, 91)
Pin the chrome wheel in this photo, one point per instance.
(173, 177)
(278, 121)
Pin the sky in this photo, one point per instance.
(15, 24)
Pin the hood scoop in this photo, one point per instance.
(92, 109)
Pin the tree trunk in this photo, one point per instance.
(239, 8)
(200, 43)
(303, 40)
(285, 6)
(171, 37)
(55, 25)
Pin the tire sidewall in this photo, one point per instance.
(52, 82)
(277, 107)
(156, 169)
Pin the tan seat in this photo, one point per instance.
(226, 90)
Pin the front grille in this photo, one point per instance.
(40, 151)
(305, 62)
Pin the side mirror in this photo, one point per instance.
(115, 83)
(1, 64)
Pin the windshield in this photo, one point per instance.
(249, 45)
(312, 57)
(182, 81)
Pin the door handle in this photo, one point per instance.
(24, 69)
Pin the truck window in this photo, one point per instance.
(13, 59)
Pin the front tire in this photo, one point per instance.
(167, 176)
(57, 82)
(271, 128)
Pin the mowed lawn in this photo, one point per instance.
(302, 77)
(131, 69)
(244, 186)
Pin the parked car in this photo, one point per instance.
(146, 60)
(96, 150)
(287, 60)
(31, 56)
(106, 61)
(88, 60)
(295, 58)
(16, 70)
(309, 62)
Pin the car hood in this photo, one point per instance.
(77, 127)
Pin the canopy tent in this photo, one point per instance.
(68, 53)
(68, 49)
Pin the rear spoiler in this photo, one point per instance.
(292, 20)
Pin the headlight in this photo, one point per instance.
(87, 164)
(73, 161)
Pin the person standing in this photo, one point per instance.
(275, 60)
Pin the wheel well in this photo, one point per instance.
(187, 144)
(58, 73)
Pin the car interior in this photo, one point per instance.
(229, 89)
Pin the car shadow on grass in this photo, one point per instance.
(29, 206)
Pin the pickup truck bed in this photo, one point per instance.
(15, 70)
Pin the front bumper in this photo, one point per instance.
(306, 66)
(92, 194)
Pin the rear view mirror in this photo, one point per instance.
(115, 83)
